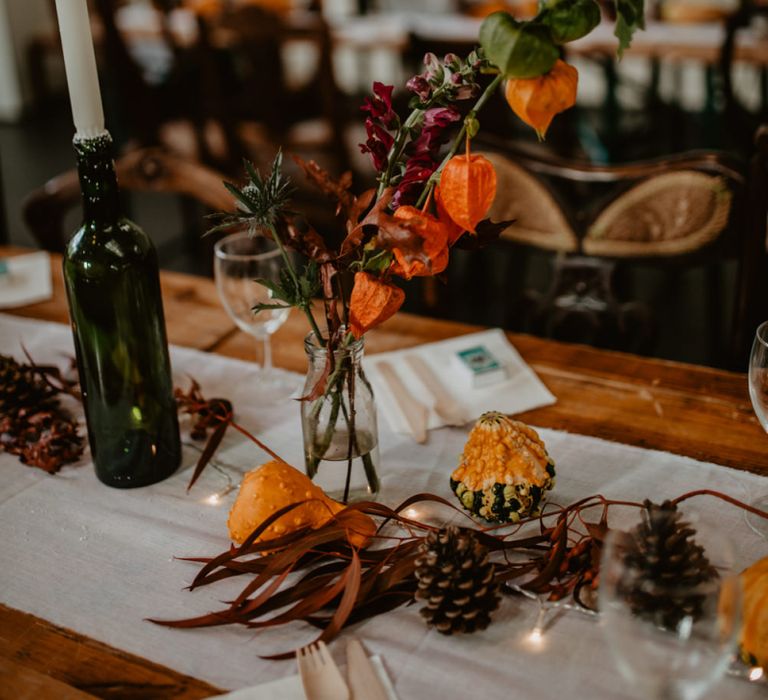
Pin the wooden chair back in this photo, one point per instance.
(691, 209)
(663, 208)
(144, 170)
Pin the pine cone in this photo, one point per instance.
(456, 579)
(664, 565)
(20, 387)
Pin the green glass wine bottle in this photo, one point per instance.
(113, 288)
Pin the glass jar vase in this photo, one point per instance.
(341, 439)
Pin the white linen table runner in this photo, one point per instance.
(100, 560)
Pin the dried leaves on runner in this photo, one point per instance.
(318, 577)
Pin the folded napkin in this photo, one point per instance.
(521, 391)
(290, 688)
(25, 279)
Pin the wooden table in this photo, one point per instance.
(695, 411)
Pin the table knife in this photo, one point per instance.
(362, 678)
(450, 411)
(416, 413)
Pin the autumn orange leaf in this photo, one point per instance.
(467, 189)
(537, 100)
(435, 247)
(372, 302)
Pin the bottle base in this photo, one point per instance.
(141, 462)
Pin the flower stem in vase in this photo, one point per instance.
(352, 439)
(330, 441)
(322, 447)
(368, 466)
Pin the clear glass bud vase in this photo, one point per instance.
(341, 439)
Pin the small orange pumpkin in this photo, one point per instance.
(537, 100)
(372, 302)
(435, 235)
(467, 189)
(754, 630)
(275, 485)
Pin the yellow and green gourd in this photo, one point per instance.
(505, 470)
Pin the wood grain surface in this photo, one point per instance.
(695, 411)
(193, 314)
(38, 656)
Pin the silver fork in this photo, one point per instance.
(320, 676)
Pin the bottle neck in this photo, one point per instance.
(98, 182)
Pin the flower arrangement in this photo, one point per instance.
(432, 194)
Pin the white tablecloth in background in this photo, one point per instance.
(101, 560)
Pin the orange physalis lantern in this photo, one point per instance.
(453, 230)
(372, 302)
(467, 189)
(537, 100)
(435, 246)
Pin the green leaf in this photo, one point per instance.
(376, 261)
(265, 199)
(309, 282)
(238, 195)
(277, 290)
(569, 20)
(288, 286)
(473, 126)
(518, 49)
(268, 307)
(290, 292)
(218, 228)
(630, 16)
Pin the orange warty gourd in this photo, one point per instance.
(754, 630)
(435, 235)
(467, 189)
(537, 100)
(505, 470)
(372, 302)
(275, 485)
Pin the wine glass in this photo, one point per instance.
(758, 394)
(241, 259)
(671, 640)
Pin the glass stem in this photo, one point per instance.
(266, 364)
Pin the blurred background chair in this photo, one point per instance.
(4, 238)
(143, 170)
(248, 85)
(739, 121)
(635, 257)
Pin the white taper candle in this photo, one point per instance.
(80, 65)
